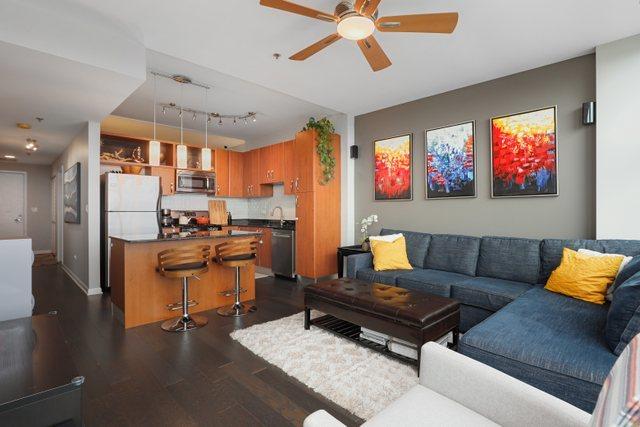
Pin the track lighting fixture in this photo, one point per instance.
(194, 117)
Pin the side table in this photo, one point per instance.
(344, 251)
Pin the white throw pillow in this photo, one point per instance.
(388, 238)
(623, 264)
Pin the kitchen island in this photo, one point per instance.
(140, 294)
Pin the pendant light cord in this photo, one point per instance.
(155, 102)
(206, 120)
(181, 117)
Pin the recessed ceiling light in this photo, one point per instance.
(9, 156)
(23, 125)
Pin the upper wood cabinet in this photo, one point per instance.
(306, 161)
(253, 176)
(289, 167)
(167, 179)
(272, 164)
(236, 178)
(221, 166)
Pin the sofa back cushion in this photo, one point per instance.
(417, 245)
(552, 251)
(510, 258)
(623, 318)
(457, 254)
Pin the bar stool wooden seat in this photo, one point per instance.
(184, 263)
(236, 254)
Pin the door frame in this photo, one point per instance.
(24, 199)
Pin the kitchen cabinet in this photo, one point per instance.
(318, 231)
(236, 178)
(306, 161)
(288, 166)
(167, 178)
(252, 176)
(221, 166)
(271, 164)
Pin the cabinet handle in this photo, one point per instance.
(296, 201)
(297, 185)
(291, 185)
(171, 188)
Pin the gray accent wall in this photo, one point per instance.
(570, 215)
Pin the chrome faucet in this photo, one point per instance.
(281, 214)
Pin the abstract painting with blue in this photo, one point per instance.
(450, 162)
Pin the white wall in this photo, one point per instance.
(617, 141)
(81, 242)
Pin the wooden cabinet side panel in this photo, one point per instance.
(167, 179)
(265, 248)
(305, 161)
(305, 234)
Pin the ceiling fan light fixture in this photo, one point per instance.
(356, 27)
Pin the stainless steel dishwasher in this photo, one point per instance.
(283, 252)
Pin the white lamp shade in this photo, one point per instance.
(154, 153)
(206, 159)
(181, 154)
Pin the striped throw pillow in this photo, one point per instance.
(619, 400)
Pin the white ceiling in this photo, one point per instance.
(494, 38)
(65, 93)
(278, 114)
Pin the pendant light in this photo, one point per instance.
(205, 160)
(154, 144)
(181, 149)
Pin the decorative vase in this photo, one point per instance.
(366, 246)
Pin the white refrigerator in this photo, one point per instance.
(130, 205)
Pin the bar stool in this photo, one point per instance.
(183, 263)
(236, 254)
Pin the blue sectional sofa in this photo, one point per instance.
(511, 322)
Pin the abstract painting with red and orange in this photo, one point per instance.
(393, 180)
(524, 154)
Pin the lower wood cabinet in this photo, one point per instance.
(263, 258)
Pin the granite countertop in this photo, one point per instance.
(287, 224)
(148, 238)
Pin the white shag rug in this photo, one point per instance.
(358, 379)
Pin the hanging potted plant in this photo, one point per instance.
(324, 128)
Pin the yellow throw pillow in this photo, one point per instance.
(390, 255)
(584, 277)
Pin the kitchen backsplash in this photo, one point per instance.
(239, 208)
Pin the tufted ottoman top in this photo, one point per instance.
(384, 300)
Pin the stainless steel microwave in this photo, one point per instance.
(188, 181)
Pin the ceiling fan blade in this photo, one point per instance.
(316, 47)
(366, 7)
(288, 6)
(425, 23)
(374, 54)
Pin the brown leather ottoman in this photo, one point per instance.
(409, 315)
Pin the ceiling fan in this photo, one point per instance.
(358, 20)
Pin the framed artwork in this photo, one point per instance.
(450, 164)
(72, 194)
(393, 168)
(524, 154)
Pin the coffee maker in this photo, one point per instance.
(165, 218)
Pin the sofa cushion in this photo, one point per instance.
(417, 245)
(457, 254)
(487, 292)
(388, 277)
(620, 246)
(551, 253)
(510, 258)
(553, 342)
(623, 318)
(627, 271)
(470, 316)
(423, 406)
(435, 282)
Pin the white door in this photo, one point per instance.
(12, 208)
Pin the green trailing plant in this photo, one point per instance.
(324, 128)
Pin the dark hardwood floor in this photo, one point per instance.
(145, 376)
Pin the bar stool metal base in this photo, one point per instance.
(236, 310)
(183, 324)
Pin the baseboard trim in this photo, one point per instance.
(79, 283)
(43, 251)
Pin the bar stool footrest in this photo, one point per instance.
(231, 292)
(178, 305)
